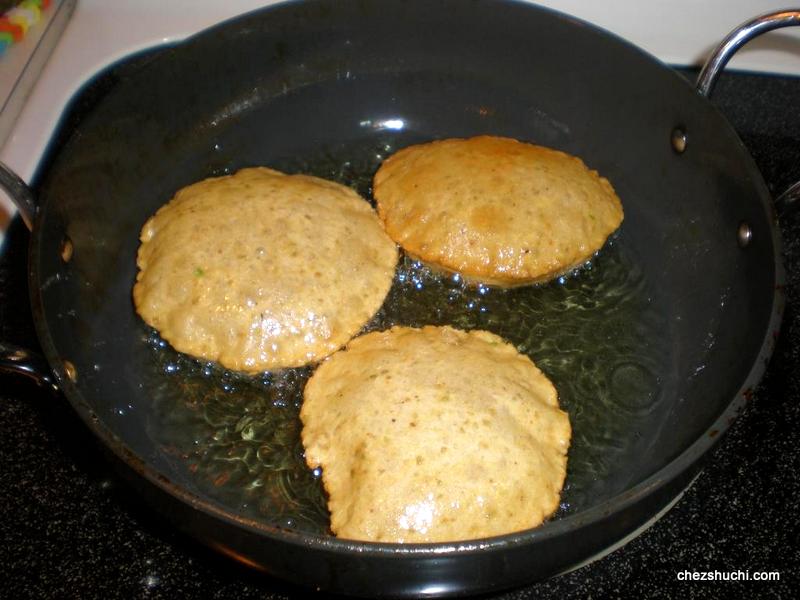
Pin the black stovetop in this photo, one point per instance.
(70, 528)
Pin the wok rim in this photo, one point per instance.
(330, 543)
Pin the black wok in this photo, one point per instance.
(349, 76)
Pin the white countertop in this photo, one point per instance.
(103, 31)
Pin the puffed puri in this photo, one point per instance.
(434, 435)
(494, 209)
(261, 270)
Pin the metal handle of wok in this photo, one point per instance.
(14, 359)
(727, 48)
(19, 192)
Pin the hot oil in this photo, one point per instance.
(597, 334)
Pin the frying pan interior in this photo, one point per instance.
(344, 83)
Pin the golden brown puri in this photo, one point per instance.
(434, 435)
(494, 209)
(262, 270)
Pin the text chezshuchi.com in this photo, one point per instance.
(739, 575)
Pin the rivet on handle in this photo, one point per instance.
(70, 371)
(679, 140)
(744, 235)
(66, 249)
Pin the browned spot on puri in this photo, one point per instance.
(488, 218)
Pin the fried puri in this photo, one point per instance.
(434, 435)
(262, 270)
(496, 210)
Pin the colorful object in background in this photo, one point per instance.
(15, 22)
